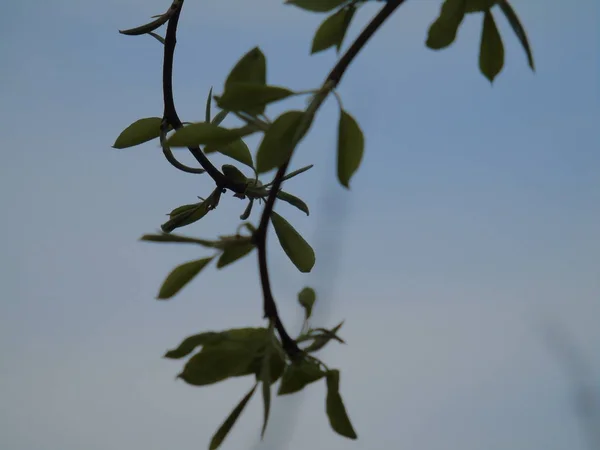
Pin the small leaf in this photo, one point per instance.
(219, 117)
(208, 104)
(443, 31)
(332, 31)
(491, 52)
(294, 201)
(232, 254)
(186, 216)
(336, 411)
(473, 6)
(158, 37)
(277, 143)
(237, 150)
(351, 144)
(176, 238)
(183, 208)
(297, 172)
(202, 133)
(180, 276)
(248, 210)
(190, 344)
(293, 244)
(251, 97)
(298, 375)
(265, 378)
(323, 339)
(307, 298)
(138, 132)
(233, 174)
(251, 68)
(515, 23)
(224, 429)
(317, 5)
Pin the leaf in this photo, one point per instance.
(186, 216)
(158, 37)
(183, 208)
(189, 344)
(332, 31)
(265, 378)
(491, 52)
(323, 339)
(251, 97)
(251, 68)
(515, 23)
(297, 172)
(237, 150)
(176, 238)
(208, 102)
(443, 31)
(294, 201)
(298, 375)
(278, 141)
(219, 117)
(307, 298)
(180, 276)
(248, 210)
(138, 132)
(317, 5)
(336, 411)
(202, 133)
(293, 244)
(473, 6)
(233, 174)
(225, 428)
(233, 253)
(351, 144)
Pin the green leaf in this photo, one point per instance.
(443, 31)
(237, 150)
(296, 172)
(251, 68)
(224, 429)
(323, 339)
(186, 216)
(278, 141)
(317, 5)
(307, 298)
(233, 174)
(351, 145)
(265, 378)
(180, 276)
(202, 133)
(251, 97)
(277, 366)
(233, 253)
(248, 210)
(294, 201)
(336, 411)
(293, 244)
(183, 208)
(491, 52)
(138, 132)
(515, 23)
(298, 375)
(189, 344)
(177, 238)
(219, 117)
(332, 31)
(208, 102)
(473, 6)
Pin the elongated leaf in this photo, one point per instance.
(233, 174)
(237, 150)
(189, 344)
(515, 23)
(265, 378)
(277, 143)
(219, 117)
(297, 172)
(207, 113)
(491, 52)
(177, 239)
(298, 375)
(336, 411)
(248, 210)
(232, 254)
(202, 133)
(186, 216)
(317, 5)
(351, 144)
(184, 208)
(251, 68)
(472, 6)
(278, 365)
(323, 339)
(180, 276)
(251, 97)
(138, 132)
(224, 429)
(294, 201)
(332, 31)
(293, 244)
(307, 298)
(443, 31)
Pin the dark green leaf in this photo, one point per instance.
(298, 375)
(219, 117)
(277, 366)
(251, 97)
(190, 344)
(233, 174)
(248, 210)
(293, 244)
(251, 68)
(224, 429)
(307, 298)
(443, 31)
(332, 31)
(208, 104)
(515, 23)
(321, 340)
(336, 411)
(278, 141)
(186, 216)
(294, 201)
(138, 132)
(180, 276)
(296, 172)
(158, 37)
(183, 208)
(491, 52)
(233, 253)
(265, 378)
(237, 150)
(176, 238)
(473, 6)
(317, 5)
(202, 133)
(351, 144)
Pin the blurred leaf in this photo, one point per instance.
(208, 104)
(293, 244)
(491, 53)
(158, 37)
(472, 6)
(233, 253)
(138, 132)
(317, 5)
(297, 172)
(186, 216)
(443, 31)
(251, 97)
(332, 31)
(184, 208)
(251, 68)
(294, 201)
(265, 378)
(234, 174)
(307, 298)
(323, 339)
(515, 23)
(224, 429)
(351, 144)
(237, 150)
(180, 276)
(278, 365)
(336, 411)
(298, 375)
(177, 238)
(202, 133)
(219, 117)
(190, 343)
(248, 210)
(277, 143)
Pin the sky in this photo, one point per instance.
(472, 222)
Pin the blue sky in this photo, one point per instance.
(473, 218)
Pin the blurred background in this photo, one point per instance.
(465, 259)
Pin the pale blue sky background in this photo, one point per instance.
(474, 216)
